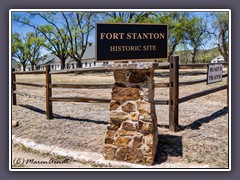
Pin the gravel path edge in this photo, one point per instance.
(97, 158)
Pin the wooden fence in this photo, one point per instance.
(174, 99)
(173, 86)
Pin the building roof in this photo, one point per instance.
(51, 58)
(89, 53)
(89, 56)
(218, 57)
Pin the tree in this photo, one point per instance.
(220, 32)
(65, 34)
(196, 35)
(33, 45)
(19, 49)
(79, 26)
(177, 22)
(55, 38)
(128, 17)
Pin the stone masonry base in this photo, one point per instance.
(132, 134)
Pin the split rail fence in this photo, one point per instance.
(173, 102)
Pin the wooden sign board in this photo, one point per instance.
(122, 42)
(214, 73)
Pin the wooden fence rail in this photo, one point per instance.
(80, 99)
(82, 86)
(202, 93)
(161, 85)
(29, 95)
(196, 66)
(30, 72)
(173, 102)
(197, 81)
(29, 84)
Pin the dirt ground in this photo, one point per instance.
(202, 138)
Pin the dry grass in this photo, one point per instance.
(203, 135)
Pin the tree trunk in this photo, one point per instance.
(172, 51)
(194, 56)
(226, 58)
(62, 63)
(79, 64)
(193, 59)
(224, 45)
(32, 66)
(24, 66)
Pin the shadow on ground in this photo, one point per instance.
(168, 145)
(199, 122)
(171, 145)
(57, 116)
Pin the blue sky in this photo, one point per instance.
(16, 27)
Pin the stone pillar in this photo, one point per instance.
(132, 133)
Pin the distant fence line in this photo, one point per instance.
(173, 102)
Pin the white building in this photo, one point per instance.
(88, 60)
(51, 59)
(16, 65)
(19, 67)
(218, 59)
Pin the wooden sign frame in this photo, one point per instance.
(208, 73)
(123, 31)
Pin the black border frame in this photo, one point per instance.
(64, 168)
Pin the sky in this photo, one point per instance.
(23, 29)
(16, 27)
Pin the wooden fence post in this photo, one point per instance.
(173, 93)
(14, 96)
(48, 93)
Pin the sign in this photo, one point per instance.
(122, 42)
(214, 73)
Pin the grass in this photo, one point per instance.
(24, 148)
(54, 156)
(98, 165)
(58, 157)
(18, 166)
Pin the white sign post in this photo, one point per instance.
(214, 73)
